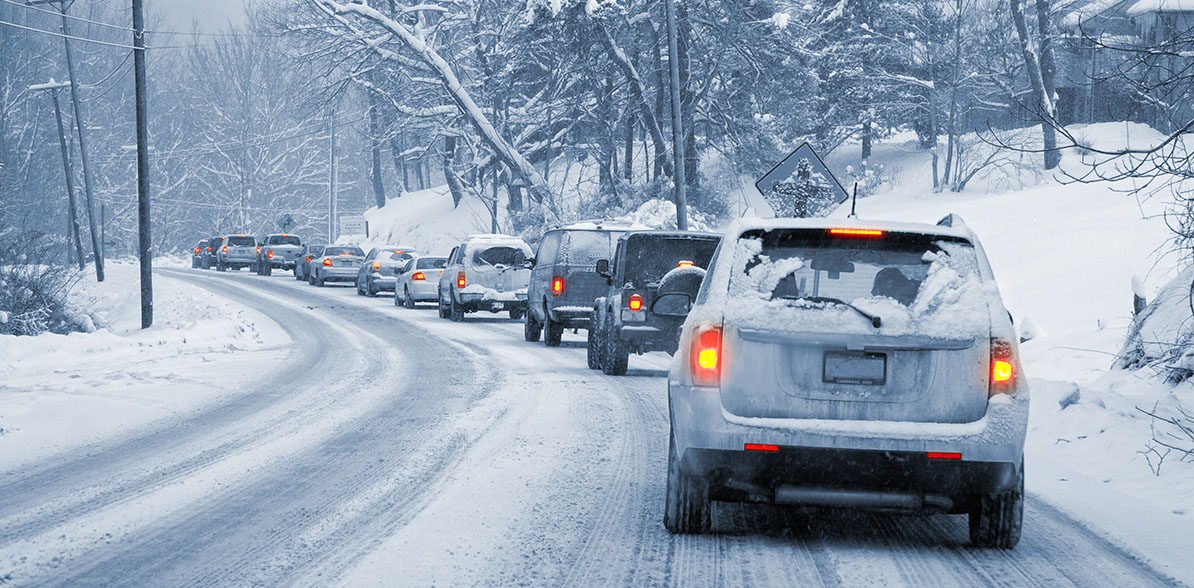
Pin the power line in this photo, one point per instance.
(62, 36)
(130, 29)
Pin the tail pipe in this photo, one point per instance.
(862, 499)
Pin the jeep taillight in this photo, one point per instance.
(460, 281)
(196, 251)
(1003, 367)
(635, 302)
(209, 249)
(706, 356)
(418, 277)
(270, 254)
(327, 262)
(557, 285)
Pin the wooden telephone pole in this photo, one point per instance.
(144, 248)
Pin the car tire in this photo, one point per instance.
(531, 328)
(617, 352)
(267, 269)
(592, 353)
(194, 264)
(553, 331)
(997, 519)
(455, 310)
(687, 508)
(220, 267)
(316, 280)
(443, 308)
(311, 278)
(407, 300)
(398, 301)
(370, 291)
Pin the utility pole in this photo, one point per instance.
(677, 130)
(143, 244)
(332, 180)
(72, 235)
(63, 5)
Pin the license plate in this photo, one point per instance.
(854, 367)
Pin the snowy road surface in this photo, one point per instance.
(391, 447)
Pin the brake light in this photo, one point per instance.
(944, 455)
(327, 262)
(557, 285)
(224, 249)
(270, 254)
(196, 250)
(460, 281)
(706, 357)
(1003, 370)
(345, 254)
(685, 263)
(418, 276)
(309, 258)
(258, 250)
(760, 447)
(209, 249)
(398, 251)
(635, 302)
(863, 233)
(285, 235)
(377, 265)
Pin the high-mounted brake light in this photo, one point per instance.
(944, 455)
(856, 232)
(327, 262)
(460, 281)
(418, 276)
(398, 251)
(345, 254)
(270, 254)
(685, 263)
(706, 357)
(285, 235)
(760, 447)
(557, 285)
(309, 258)
(635, 302)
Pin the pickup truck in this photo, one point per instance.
(278, 251)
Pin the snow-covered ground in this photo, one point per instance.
(61, 392)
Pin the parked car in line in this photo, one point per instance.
(199, 255)
(486, 272)
(237, 251)
(213, 250)
(418, 280)
(564, 282)
(336, 263)
(278, 251)
(847, 364)
(378, 272)
(302, 264)
(645, 264)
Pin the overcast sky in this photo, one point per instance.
(208, 15)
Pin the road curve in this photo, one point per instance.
(459, 454)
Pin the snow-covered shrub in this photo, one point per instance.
(870, 179)
(1162, 336)
(33, 286)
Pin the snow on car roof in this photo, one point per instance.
(605, 225)
(740, 226)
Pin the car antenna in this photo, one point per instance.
(854, 202)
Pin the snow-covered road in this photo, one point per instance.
(392, 447)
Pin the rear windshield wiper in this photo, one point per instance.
(875, 320)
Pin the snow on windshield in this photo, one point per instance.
(917, 287)
(502, 255)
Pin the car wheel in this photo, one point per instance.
(311, 278)
(443, 308)
(194, 264)
(407, 301)
(531, 328)
(996, 519)
(553, 332)
(267, 269)
(617, 352)
(316, 280)
(687, 506)
(370, 290)
(455, 311)
(220, 267)
(592, 355)
(398, 300)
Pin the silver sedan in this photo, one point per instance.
(418, 280)
(338, 263)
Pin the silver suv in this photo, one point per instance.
(847, 364)
(486, 272)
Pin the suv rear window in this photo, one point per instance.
(283, 240)
(500, 254)
(431, 263)
(586, 247)
(242, 241)
(649, 257)
(797, 264)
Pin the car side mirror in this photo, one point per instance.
(672, 304)
(529, 263)
(603, 269)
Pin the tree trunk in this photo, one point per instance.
(687, 95)
(628, 165)
(379, 190)
(1032, 65)
(661, 162)
(638, 91)
(449, 164)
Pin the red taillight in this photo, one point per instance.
(685, 263)
(224, 249)
(309, 258)
(864, 233)
(377, 265)
(944, 455)
(270, 254)
(345, 254)
(706, 357)
(196, 250)
(557, 285)
(1003, 369)
(327, 262)
(209, 249)
(460, 281)
(258, 250)
(418, 276)
(760, 447)
(635, 302)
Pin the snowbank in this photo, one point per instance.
(425, 220)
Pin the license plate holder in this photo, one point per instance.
(865, 368)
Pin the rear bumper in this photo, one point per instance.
(839, 454)
(238, 259)
(382, 281)
(337, 274)
(423, 291)
(572, 317)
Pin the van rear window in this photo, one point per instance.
(242, 241)
(283, 240)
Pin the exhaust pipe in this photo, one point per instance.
(861, 499)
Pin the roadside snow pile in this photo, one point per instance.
(1162, 336)
(658, 213)
(425, 220)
